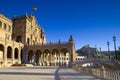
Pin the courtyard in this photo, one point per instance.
(43, 73)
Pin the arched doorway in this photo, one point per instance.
(64, 56)
(22, 61)
(1, 54)
(16, 53)
(9, 52)
(47, 59)
(55, 57)
(38, 60)
(30, 57)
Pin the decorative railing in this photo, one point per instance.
(93, 60)
(105, 74)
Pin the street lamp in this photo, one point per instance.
(108, 43)
(114, 39)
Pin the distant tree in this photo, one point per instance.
(103, 56)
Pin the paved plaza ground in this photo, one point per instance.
(43, 73)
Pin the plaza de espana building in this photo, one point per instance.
(22, 40)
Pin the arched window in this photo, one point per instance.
(9, 28)
(5, 26)
(16, 53)
(28, 41)
(0, 24)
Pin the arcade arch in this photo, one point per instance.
(47, 58)
(9, 52)
(1, 52)
(38, 56)
(30, 57)
(55, 56)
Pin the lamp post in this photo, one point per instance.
(114, 39)
(108, 43)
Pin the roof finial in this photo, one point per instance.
(71, 38)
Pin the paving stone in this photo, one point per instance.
(43, 73)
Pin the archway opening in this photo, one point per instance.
(9, 52)
(30, 57)
(38, 60)
(16, 53)
(46, 57)
(55, 57)
(1, 54)
(22, 61)
(64, 57)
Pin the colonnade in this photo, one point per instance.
(48, 58)
(9, 55)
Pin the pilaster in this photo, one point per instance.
(5, 56)
(13, 56)
(19, 56)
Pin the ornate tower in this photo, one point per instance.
(72, 49)
(27, 30)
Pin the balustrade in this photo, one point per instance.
(108, 74)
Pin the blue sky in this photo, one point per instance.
(92, 22)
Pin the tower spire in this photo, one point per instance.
(71, 38)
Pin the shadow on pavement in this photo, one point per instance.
(57, 77)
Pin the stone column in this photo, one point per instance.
(34, 59)
(39, 60)
(26, 57)
(63, 60)
(70, 58)
(42, 59)
(59, 58)
(47, 58)
(55, 59)
(19, 56)
(51, 59)
(13, 56)
(66, 59)
(5, 56)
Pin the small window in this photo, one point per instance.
(5, 26)
(0, 24)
